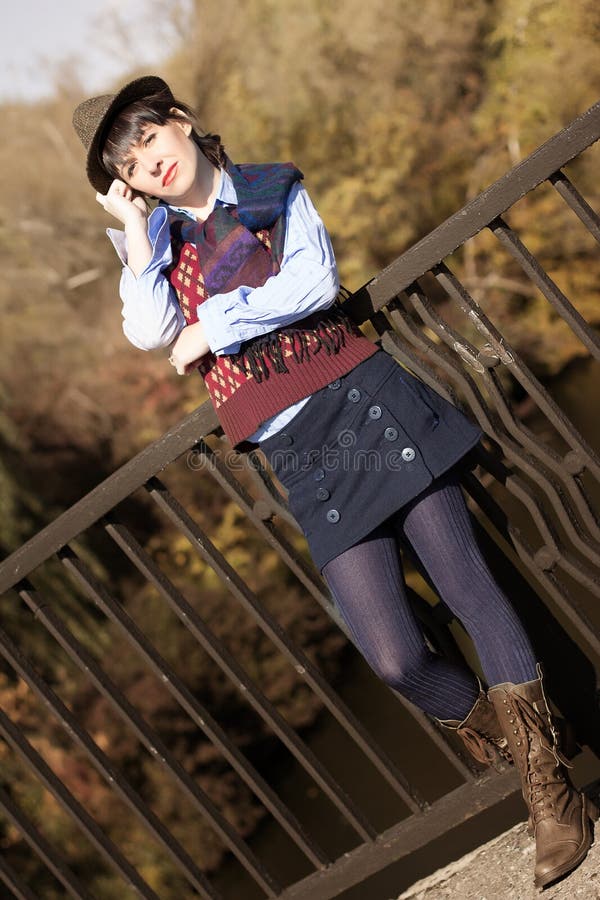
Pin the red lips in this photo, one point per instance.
(169, 175)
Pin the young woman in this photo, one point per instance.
(234, 272)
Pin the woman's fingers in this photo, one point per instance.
(122, 202)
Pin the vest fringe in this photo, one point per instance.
(323, 330)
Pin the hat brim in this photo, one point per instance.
(142, 87)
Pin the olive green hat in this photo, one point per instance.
(92, 120)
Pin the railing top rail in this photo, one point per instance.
(101, 499)
(476, 215)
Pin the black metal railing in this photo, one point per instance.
(557, 549)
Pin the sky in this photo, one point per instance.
(39, 37)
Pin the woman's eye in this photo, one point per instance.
(130, 169)
(148, 139)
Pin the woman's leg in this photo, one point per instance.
(367, 583)
(438, 526)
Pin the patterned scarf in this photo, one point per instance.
(229, 252)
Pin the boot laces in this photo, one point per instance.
(542, 727)
(477, 744)
(537, 725)
(481, 745)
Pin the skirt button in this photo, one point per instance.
(335, 385)
(390, 434)
(319, 474)
(408, 454)
(375, 412)
(333, 516)
(323, 494)
(353, 395)
(286, 439)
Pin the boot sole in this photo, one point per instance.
(589, 815)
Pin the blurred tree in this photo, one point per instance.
(398, 113)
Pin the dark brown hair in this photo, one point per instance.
(128, 127)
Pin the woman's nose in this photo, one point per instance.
(152, 164)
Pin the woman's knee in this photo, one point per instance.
(401, 672)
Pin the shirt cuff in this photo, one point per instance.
(216, 331)
(158, 235)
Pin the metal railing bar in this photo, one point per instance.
(361, 737)
(190, 618)
(318, 772)
(238, 676)
(551, 553)
(479, 212)
(393, 344)
(567, 190)
(14, 883)
(443, 743)
(275, 504)
(517, 249)
(104, 766)
(257, 513)
(527, 556)
(524, 438)
(401, 351)
(240, 590)
(405, 838)
(197, 712)
(261, 477)
(114, 489)
(260, 512)
(521, 372)
(527, 463)
(225, 478)
(155, 746)
(539, 562)
(486, 418)
(43, 849)
(519, 489)
(111, 853)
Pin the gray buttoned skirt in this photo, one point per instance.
(362, 448)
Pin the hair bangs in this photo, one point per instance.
(129, 125)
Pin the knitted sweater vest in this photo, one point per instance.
(243, 245)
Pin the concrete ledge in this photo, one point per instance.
(503, 870)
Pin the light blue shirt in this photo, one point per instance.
(307, 282)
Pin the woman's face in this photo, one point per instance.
(164, 163)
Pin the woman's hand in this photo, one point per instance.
(189, 347)
(123, 203)
(130, 209)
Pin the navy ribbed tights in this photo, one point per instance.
(368, 586)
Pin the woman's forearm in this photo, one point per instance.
(139, 248)
(307, 282)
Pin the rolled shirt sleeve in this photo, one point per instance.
(152, 317)
(307, 281)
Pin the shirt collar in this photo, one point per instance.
(226, 196)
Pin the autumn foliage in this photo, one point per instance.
(398, 114)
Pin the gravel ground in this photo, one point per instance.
(503, 870)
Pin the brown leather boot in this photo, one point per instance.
(481, 733)
(560, 816)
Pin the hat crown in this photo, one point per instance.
(89, 116)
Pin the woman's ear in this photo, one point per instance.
(180, 118)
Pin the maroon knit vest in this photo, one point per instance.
(274, 371)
